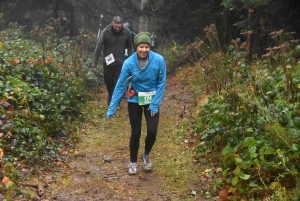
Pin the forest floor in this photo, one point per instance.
(97, 169)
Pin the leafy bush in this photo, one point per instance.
(252, 122)
(44, 89)
(173, 55)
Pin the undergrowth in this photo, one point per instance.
(250, 125)
(45, 85)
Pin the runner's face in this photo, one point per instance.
(143, 50)
(117, 27)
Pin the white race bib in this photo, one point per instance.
(109, 59)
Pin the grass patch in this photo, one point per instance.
(173, 160)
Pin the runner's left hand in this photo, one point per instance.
(152, 113)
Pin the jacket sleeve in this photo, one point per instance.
(97, 52)
(119, 90)
(160, 87)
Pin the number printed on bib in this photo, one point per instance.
(145, 98)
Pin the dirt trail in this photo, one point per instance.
(97, 170)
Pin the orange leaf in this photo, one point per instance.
(1, 151)
(5, 180)
(17, 61)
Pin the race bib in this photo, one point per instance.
(145, 98)
(109, 59)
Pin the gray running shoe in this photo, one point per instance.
(132, 168)
(147, 165)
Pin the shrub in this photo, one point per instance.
(45, 86)
(252, 122)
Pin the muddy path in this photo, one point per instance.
(97, 169)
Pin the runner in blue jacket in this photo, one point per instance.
(143, 75)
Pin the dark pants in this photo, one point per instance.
(111, 75)
(135, 115)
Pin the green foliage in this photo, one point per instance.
(172, 55)
(252, 122)
(45, 86)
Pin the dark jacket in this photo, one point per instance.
(115, 43)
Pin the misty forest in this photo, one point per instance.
(230, 122)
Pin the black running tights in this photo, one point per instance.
(135, 115)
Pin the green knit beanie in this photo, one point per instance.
(142, 38)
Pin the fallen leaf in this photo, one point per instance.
(207, 170)
(5, 180)
(59, 163)
(219, 170)
(17, 61)
(1, 153)
(223, 194)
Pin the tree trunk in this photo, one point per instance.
(56, 9)
(143, 19)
